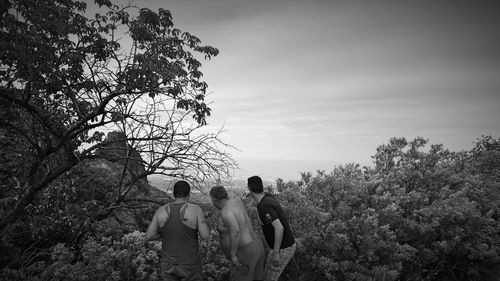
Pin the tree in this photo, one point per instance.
(421, 212)
(67, 80)
(443, 204)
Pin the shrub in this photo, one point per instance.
(123, 259)
(416, 215)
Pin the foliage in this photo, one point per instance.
(67, 80)
(418, 214)
(71, 209)
(107, 259)
(103, 259)
(215, 264)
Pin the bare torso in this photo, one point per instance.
(246, 235)
(223, 237)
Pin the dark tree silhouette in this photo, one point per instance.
(66, 81)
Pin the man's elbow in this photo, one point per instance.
(278, 227)
(279, 231)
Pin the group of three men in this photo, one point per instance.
(179, 223)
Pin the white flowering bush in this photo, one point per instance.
(415, 216)
(215, 264)
(97, 259)
(124, 259)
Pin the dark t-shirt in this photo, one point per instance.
(269, 210)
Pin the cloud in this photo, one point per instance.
(328, 81)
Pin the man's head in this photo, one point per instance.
(218, 193)
(255, 184)
(181, 189)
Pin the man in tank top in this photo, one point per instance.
(238, 240)
(178, 225)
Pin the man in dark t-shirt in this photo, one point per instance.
(275, 227)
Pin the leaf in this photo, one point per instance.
(101, 3)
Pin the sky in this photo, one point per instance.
(307, 85)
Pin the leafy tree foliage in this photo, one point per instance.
(418, 214)
(67, 80)
(421, 213)
(116, 258)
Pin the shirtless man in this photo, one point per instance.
(178, 224)
(237, 238)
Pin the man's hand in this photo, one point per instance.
(275, 259)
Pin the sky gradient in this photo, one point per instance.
(307, 85)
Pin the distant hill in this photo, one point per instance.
(166, 184)
(235, 187)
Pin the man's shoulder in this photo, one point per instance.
(163, 208)
(193, 209)
(268, 200)
(162, 212)
(232, 208)
(227, 213)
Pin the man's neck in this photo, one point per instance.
(223, 203)
(258, 197)
(181, 200)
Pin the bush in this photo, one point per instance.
(416, 215)
(124, 259)
(102, 259)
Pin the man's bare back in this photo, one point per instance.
(246, 232)
(237, 237)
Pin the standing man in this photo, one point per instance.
(238, 240)
(178, 224)
(275, 227)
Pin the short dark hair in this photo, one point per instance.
(255, 184)
(219, 192)
(181, 189)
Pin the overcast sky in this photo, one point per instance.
(307, 85)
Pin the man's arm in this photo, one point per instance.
(152, 232)
(278, 237)
(202, 224)
(231, 223)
